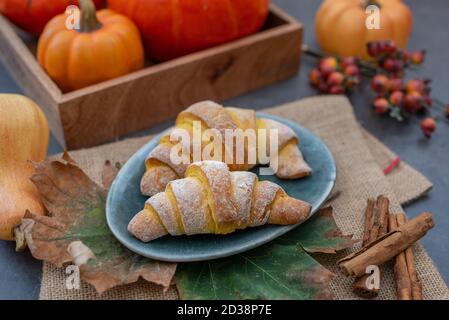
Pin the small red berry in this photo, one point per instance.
(373, 49)
(388, 46)
(335, 78)
(396, 84)
(380, 83)
(389, 65)
(417, 58)
(393, 65)
(412, 101)
(396, 98)
(381, 105)
(328, 65)
(315, 77)
(352, 71)
(348, 61)
(428, 126)
(416, 85)
(337, 89)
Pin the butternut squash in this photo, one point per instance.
(24, 137)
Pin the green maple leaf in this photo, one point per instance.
(281, 269)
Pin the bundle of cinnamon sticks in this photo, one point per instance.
(387, 236)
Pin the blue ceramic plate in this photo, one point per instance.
(125, 200)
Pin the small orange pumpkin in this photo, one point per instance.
(341, 25)
(107, 45)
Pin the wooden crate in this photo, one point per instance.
(106, 111)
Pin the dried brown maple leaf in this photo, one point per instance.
(76, 230)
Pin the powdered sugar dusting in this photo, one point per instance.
(286, 134)
(164, 209)
(264, 195)
(243, 185)
(288, 210)
(192, 207)
(219, 178)
(212, 114)
(156, 179)
(144, 227)
(291, 163)
(162, 154)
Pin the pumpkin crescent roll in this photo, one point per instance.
(211, 199)
(160, 170)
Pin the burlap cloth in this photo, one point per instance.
(360, 159)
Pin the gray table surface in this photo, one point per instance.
(20, 274)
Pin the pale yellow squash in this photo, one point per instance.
(24, 137)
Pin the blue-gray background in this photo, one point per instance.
(20, 274)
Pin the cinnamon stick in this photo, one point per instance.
(388, 246)
(416, 286)
(376, 224)
(383, 203)
(369, 221)
(401, 275)
(380, 227)
(359, 287)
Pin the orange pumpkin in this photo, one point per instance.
(175, 28)
(106, 46)
(341, 25)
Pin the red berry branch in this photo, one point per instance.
(336, 76)
(398, 98)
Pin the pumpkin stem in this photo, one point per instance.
(89, 21)
(21, 242)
